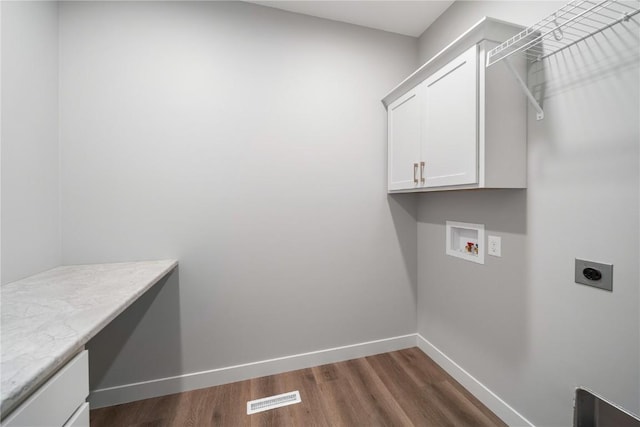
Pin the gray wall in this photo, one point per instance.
(250, 144)
(30, 184)
(519, 323)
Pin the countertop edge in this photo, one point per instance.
(19, 395)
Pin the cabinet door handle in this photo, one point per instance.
(415, 173)
(422, 172)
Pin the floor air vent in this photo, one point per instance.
(272, 402)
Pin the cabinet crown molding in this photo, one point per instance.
(486, 28)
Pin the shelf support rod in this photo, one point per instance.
(525, 89)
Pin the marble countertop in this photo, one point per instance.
(48, 317)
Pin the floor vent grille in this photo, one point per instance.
(273, 402)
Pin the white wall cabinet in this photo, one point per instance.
(454, 125)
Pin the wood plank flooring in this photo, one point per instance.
(401, 388)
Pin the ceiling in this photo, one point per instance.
(410, 18)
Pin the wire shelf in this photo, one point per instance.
(570, 24)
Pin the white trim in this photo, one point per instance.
(492, 401)
(485, 29)
(163, 386)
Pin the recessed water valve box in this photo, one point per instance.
(594, 274)
(465, 241)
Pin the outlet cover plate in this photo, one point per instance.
(606, 271)
(495, 246)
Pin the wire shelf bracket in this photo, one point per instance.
(525, 89)
(569, 25)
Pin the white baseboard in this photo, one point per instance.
(163, 386)
(492, 401)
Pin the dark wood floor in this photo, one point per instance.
(401, 388)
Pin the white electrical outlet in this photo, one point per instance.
(494, 247)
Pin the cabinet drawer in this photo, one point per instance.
(80, 418)
(57, 399)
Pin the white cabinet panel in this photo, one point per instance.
(449, 141)
(404, 140)
(80, 418)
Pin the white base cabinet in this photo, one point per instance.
(61, 401)
(455, 124)
(80, 418)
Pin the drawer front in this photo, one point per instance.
(58, 399)
(80, 418)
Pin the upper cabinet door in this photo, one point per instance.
(404, 141)
(450, 137)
